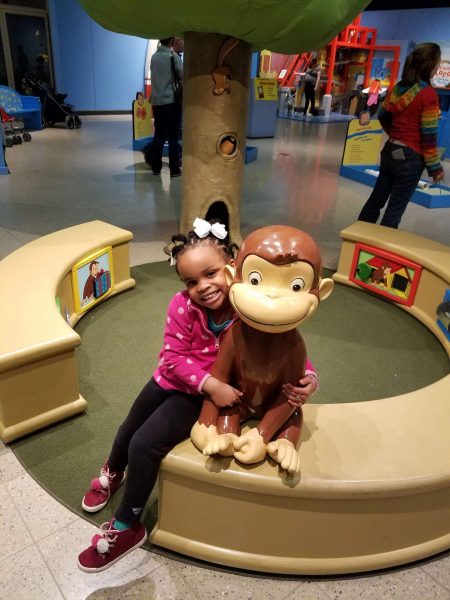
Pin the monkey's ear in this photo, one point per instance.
(229, 273)
(325, 288)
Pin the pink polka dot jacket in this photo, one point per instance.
(189, 347)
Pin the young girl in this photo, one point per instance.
(169, 405)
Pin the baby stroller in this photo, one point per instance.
(54, 107)
(14, 129)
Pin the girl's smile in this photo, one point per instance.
(202, 269)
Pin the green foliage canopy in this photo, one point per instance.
(285, 26)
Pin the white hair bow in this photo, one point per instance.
(202, 228)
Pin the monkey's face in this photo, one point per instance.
(274, 298)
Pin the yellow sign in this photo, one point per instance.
(363, 143)
(142, 118)
(266, 89)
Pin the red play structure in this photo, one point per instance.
(351, 50)
(364, 40)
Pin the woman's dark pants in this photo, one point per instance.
(397, 181)
(310, 97)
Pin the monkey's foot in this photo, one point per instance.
(285, 453)
(201, 435)
(222, 444)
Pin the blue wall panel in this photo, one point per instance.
(98, 69)
(102, 70)
(426, 24)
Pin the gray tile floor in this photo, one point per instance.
(65, 177)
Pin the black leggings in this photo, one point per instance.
(158, 420)
(310, 97)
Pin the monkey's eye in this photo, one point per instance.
(254, 278)
(297, 285)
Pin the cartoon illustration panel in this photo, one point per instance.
(384, 273)
(92, 279)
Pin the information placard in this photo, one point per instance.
(142, 118)
(363, 143)
(266, 89)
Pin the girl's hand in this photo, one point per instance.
(221, 393)
(297, 396)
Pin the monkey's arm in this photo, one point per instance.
(283, 450)
(204, 433)
(275, 417)
(252, 446)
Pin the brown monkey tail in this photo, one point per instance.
(226, 48)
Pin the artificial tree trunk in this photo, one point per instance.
(214, 132)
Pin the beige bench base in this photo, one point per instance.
(290, 534)
(38, 373)
(8, 434)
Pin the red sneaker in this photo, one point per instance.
(102, 488)
(106, 549)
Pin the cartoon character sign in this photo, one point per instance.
(276, 285)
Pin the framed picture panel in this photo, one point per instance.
(385, 273)
(92, 279)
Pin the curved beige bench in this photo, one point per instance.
(374, 489)
(38, 373)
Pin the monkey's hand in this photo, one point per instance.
(285, 453)
(222, 444)
(250, 447)
(202, 435)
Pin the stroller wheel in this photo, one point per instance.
(26, 136)
(70, 122)
(17, 139)
(9, 142)
(77, 121)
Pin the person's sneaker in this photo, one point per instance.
(110, 546)
(102, 488)
(175, 174)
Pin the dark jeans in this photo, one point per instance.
(397, 181)
(158, 420)
(310, 97)
(167, 126)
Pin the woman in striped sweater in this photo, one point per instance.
(409, 116)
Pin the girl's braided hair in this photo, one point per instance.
(181, 243)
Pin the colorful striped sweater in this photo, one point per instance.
(410, 115)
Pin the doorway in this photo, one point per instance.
(24, 45)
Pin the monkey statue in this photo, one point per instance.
(275, 286)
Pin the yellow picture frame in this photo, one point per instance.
(90, 276)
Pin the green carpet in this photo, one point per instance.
(362, 347)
